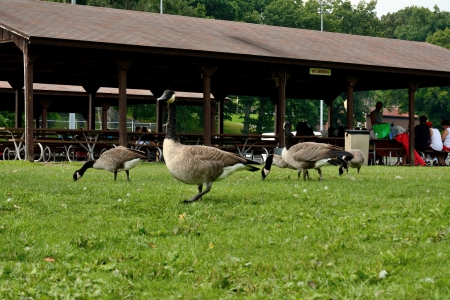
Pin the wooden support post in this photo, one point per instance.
(351, 82)
(220, 114)
(213, 118)
(45, 105)
(105, 107)
(17, 85)
(90, 118)
(280, 109)
(330, 114)
(413, 86)
(29, 119)
(207, 72)
(220, 98)
(123, 65)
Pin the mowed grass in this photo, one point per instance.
(382, 234)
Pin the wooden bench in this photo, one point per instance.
(431, 151)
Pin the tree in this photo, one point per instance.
(6, 119)
(414, 23)
(440, 38)
(358, 20)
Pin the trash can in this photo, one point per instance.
(277, 151)
(358, 139)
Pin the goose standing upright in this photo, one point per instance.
(114, 160)
(309, 155)
(197, 164)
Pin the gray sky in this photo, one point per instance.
(385, 6)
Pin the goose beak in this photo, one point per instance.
(168, 96)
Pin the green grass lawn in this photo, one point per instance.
(381, 234)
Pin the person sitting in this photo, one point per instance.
(341, 131)
(137, 129)
(421, 135)
(303, 129)
(436, 145)
(331, 130)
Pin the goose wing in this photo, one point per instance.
(214, 155)
(310, 151)
(116, 157)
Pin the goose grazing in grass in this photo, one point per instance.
(356, 162)
(309, 155)
(197, 164)
(114, 160)
(278, 161)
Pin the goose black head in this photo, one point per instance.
(266, 170)
(76, 176)
(168, 96)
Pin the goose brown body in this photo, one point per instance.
(356, 162)
(197, 165)
(113, 160)
(308, 155)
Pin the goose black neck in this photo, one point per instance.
(289, 140)
(87, 165)
(171, 129)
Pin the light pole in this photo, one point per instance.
(161, 7)
(321, 101)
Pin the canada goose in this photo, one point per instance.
(114, 160)
(356, 162)
(309, 155)
(197, 164)
(278, 161)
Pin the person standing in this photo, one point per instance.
(376, 116)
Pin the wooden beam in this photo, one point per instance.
(45, 105)
(351, 82)
(123, 65)
(90, 120)
(29, 119)
(280, 107)
(330, 114)
(105, 107)
(160, 108)
(207, 72)
(18, 112)
(413, 86)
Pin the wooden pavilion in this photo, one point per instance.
(92, 47)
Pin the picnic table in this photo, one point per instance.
(389, 148)
(66, 143)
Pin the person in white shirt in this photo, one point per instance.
(436, 144)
